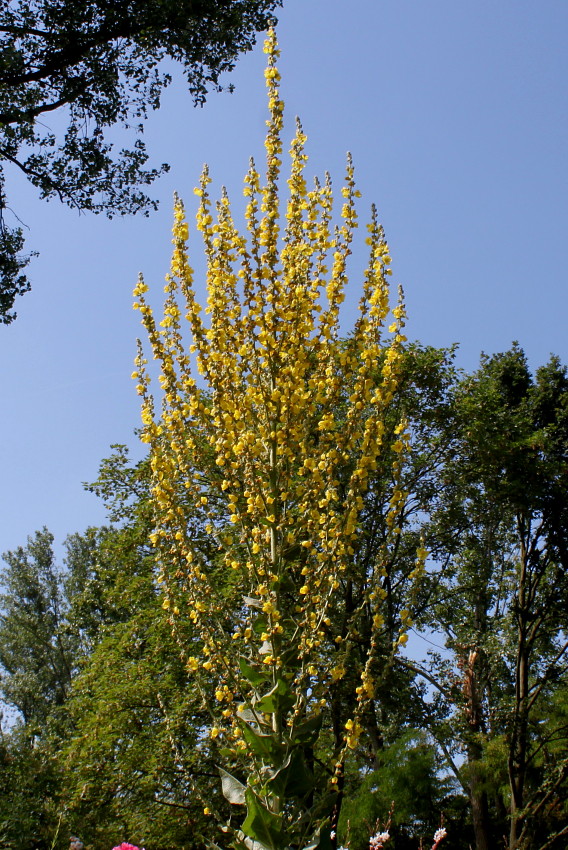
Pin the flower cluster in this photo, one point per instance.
(126, 846)
(276, 454)
(288, 411)
(439, 836)
(378, 840)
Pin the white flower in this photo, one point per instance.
(377, 841)
(438, 835)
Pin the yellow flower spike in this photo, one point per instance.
(281, 437)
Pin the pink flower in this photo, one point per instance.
(125, 846)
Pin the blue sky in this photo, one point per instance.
(456, 116)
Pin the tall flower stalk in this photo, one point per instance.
(274, 444)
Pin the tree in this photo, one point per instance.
(36, 651)
(104, 744)
(408, 783)
(502, 600)
(133, 753)
(30, 791)
(277, 454)
(37, 662)
(97, 63)
(132, 757)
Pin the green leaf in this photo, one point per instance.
(293, 779)
(308, 731)
(321, 841)
(264, 746)
(233, 790)
(251, 674)
(260, 624)
(278, 778)
(261, 824)
(279, 698)
(300, 779)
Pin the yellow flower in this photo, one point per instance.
(240, 445)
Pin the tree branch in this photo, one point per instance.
(425, 675)
(23, 115)
(30, 172)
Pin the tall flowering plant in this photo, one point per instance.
(275, 445)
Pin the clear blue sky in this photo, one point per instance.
(456, 115)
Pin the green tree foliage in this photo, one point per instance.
(30, 790)
(118, 749)
(501, 601)
(135, 751)
(37, 659)
(137, 748)
(406, 782)
(119, 755)
(36, 651)
(98, 64)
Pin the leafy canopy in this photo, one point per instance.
(98, 63)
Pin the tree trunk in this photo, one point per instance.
(479, 810)
(517, 762)
(472, 688)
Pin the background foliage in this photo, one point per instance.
(120, 742)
